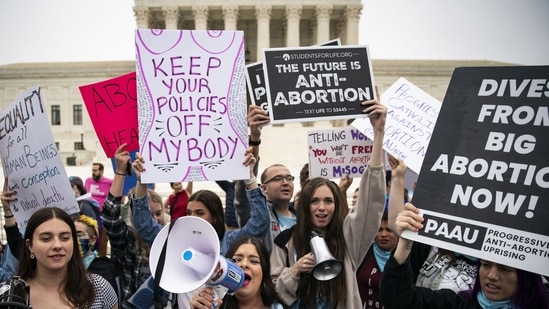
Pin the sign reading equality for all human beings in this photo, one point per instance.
(411, 117)
(317, 83)
(112, 107)
(336, 152)
(191, 104)
(484, 180)
(31, 160)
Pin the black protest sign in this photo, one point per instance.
(485, 178)
(317, 83)
(255, 79)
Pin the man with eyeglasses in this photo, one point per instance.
(276, 181)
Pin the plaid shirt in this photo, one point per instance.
(124, 251)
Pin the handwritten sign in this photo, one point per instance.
(411, 117)
(317, 83)
(334, 153)
(30, 159)
(255, 79)
(484, 181)
(192, 104)
(112, 106)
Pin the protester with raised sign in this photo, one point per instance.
(496, 285)
(348, 233)
(433, 267)
(128, 249)
(276, 180)
(258, 290)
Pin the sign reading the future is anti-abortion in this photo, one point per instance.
(337, 152)
(30, 159)
(191, 104)
(411, 117)
(484, 180)
(317, 83)
(255, 79)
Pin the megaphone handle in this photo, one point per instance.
(219, 291)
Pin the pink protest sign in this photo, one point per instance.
(192, 104)
(112, 106)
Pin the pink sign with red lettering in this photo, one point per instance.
(112, 107)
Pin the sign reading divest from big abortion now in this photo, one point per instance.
(336, 152)
(192, 104)
(30, 159)
(484, 183)
(317, 83)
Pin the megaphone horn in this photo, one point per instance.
(326, 266)
(192, 258)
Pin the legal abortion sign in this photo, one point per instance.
(484, 180)
(317, 83)
(191, 104)
(31, 160)
(112, 107)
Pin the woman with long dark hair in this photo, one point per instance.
(257, 291)
(51, 264)
(322, 208)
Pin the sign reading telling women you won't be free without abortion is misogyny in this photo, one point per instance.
(484, 180)
(317, 83)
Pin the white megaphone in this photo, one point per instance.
(192, 259)
(326, 266)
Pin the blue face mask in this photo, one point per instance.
(84, 245)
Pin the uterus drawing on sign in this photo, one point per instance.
(192, 104)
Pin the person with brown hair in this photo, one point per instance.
(348, 233)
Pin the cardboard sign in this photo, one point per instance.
(30, 159)
(317, 83)
(411, 117)
(334, 153)
(112, 107)
(255, 79)
(484, 180)
(192, 104)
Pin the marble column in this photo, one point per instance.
(323, 13)
(263, 16)
(352, 16)
(170, 16)
(230, 16)
(141, 17)
(200, 13)
(293, 16)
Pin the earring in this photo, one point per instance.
(32, 255)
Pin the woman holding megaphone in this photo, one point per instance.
(208, 206)
(322, 209)
(257, 292)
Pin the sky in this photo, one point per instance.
(514, 31)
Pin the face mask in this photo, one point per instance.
(84, 245)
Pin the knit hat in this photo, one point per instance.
(75, 180)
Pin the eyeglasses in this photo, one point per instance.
(279, 178)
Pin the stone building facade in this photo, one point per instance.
(265, 24)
